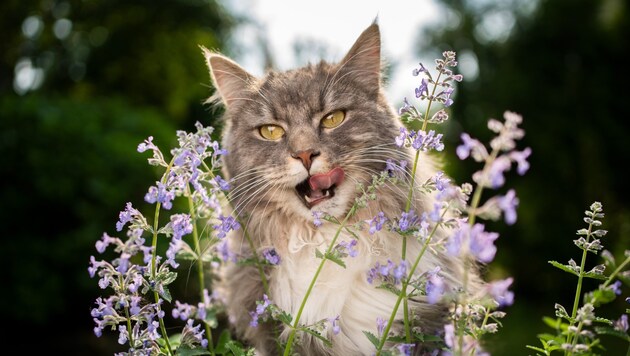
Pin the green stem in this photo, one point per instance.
(156, 226)
(200, 276)
(403, 293)
(616, 272)
(287, 350)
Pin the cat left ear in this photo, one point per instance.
(229, 79)
(363, 61)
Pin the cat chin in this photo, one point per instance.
(336, 206)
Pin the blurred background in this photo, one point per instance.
(82, 82)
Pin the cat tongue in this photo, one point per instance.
(323, 181)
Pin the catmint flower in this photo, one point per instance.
(622, 323)
(271, 256)
(192, 334)
(426, 141)
(500, 293)
(439, 117)
(478, 242)
(317, 216)
(508, 204)
(123, 335)
(181, 225)
(182, 311)
(160, 194)
(520, 157)
(261, 308)
(423, 89)
(402, 137)
(380, 326)
(495, 174)
(389, 273)
(334, 323)
(471, 147)
(173, 247)
(127, 215)
(406, 349)
(228, 223)
(105, 241)
(445, 97)
(224, 252)
(395, 169)
(435, 286)
(406, 107)
(407, 220)
(417, 71)
(616, 287)
(348, 247)
(221, 183)
(376, 224)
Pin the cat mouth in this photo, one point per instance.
(319, 187)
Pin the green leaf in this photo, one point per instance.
(537, 349)
(185, 350)
(318, 254)
(599, 297)
(607, 330)
(224, 338)
(336, 260)
(373, 339)
(594, 275)
(565, 268)
(603, 320)
(318, 335)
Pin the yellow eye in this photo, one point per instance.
(271, 132)
(333, 119)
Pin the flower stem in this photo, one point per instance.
(403, 294)
(200, 276)
(156, 225)
(287, 350)
(616, 272)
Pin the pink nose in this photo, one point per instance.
(306, 157)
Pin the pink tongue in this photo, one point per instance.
(324, 181)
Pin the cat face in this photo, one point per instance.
(300, 141)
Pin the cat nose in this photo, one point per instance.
(306, 157)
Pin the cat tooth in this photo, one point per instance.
(308, 199)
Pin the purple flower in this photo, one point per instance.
(105, 241)
(417, 71)
(435, 286)
(94, 266)
(400, 139)
(427, 141)
(471, 146)
(622, 323)
(406, 349)
(405, 108)
(317, 216)
(126, 216)
(616, 287)
(348, 247)
(499, 291)
(482, 243)
(182, 311)
(449, 335)
(228, 223)
(261, 308)
(445, 96)
(160, 194)
(441, 182)
(407, 220)
(221, 183)
(173, 247)
(123, 335)
(508, 204)
(334, 323)
(376, 224)
(224, 252)
(181, 225)
(380, 326)
(147, 145)
(271, 256)
(388, 273)
(423, 89)
(520, 157)
(395, 169)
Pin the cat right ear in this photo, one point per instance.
(229, 79)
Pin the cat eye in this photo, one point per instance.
(271, 132)
(333, 119)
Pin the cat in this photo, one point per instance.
(299, 142)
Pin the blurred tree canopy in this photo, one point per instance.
(82, 83)
(560, 64)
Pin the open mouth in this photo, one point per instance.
(319, 187)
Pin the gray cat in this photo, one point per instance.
(298, 142)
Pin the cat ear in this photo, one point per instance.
(363, 61)
(229, 79)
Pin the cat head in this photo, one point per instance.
(299, 141)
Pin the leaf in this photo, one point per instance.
(537, 349)
(318, 254)
(607, 330)
(603, 320)
(595, 275)
(318, 335)
(565, 268)
(336, 260)
(599, 297)
(373, 339)
(224, 338)
(185, 350)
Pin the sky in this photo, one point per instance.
(337, 24)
